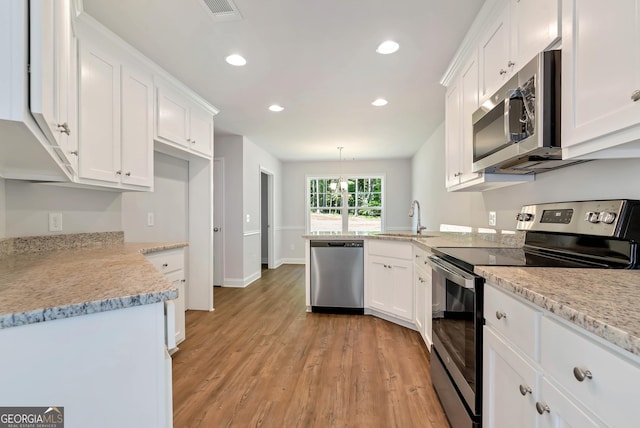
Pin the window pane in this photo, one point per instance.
(365, 220)
(325, 220)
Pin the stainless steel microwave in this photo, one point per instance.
(517, 130)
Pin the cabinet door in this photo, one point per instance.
(51, 83)
(173, 117)
(428, 323)
(137, 127)
(452, 135)
(494, 51)
(419, 301)
(536, 25)
(601, 69)
(201, 131)
(178, 281)
(509, 386)
(401, 288)
(380, 290)
(99, 112)
(469, 104)
(558, 411)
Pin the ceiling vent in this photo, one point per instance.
(223, 10)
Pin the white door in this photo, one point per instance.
(218, 221)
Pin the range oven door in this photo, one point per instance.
(457, 329)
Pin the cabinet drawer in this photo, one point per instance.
(519, 323)
(398, 250)
(168, 260)
(611, 393)
(420, 258)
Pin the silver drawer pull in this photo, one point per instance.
(635, 96)
(500, 315)
(164, 265)
(542, 408)
(524, 389)
(63, 128)
(503, 71)
(582, 374)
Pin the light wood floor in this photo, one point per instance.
(260, 360)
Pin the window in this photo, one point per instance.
(357, 208)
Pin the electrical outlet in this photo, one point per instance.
(150, 219)
(248, 218)
(55, 222)
(492, 218)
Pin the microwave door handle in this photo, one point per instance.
(507, 117)
(452, 273)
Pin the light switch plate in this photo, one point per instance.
(55, 222)
(150, 219)
(492, 218)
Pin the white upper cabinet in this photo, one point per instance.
(496, 59)
(116, 117)
(536, 26)
(453, 140)
(601, 79)
(181, 121)
(52, 60)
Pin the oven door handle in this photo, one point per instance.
(452, 273)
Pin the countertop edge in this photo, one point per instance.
(86, 308)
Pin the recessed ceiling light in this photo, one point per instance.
(236, 60)
(276, 108)
(379, 102)
(388, 47)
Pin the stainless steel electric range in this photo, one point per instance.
(586, 234)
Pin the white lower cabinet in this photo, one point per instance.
(390, 278)
(509, 385)
(171, 264)
(422, 295)
(578, 380)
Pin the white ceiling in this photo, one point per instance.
(316, 58)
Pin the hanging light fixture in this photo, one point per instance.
(341, 181)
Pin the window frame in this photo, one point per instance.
(345, 206)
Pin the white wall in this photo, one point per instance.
(3, 211)
(601, 179)
(257, 159)
(168, 202)
(397, 174)
(28, 205)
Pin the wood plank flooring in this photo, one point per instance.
(260, 360)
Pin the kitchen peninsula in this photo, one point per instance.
(82, 322)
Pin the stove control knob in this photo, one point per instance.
(607, 217)
(524, 217)
(591, 217)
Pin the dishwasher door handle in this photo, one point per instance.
(336, 244)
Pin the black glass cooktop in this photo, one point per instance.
(468, 257)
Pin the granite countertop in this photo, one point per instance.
(84, 277)
(430, 239)
(604, 302)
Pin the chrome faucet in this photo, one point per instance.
(419, 227)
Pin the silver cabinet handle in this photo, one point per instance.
(164, 265)
(75, 152)
(119, 172)
(128, 174)
(183, 280)
(64, 128)
(582, 374)
(524, 389)
(635, 96)
(542, 408)
(216, 229)
(503, 72)
(193, 141)
(511, 64)
(421, 279)
(500, 315)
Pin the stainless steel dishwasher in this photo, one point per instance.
(337, 276)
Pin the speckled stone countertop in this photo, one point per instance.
(44, 285)
(430, 239)
(604, 302)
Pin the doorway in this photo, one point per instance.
(218, 221)
(266, 218)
